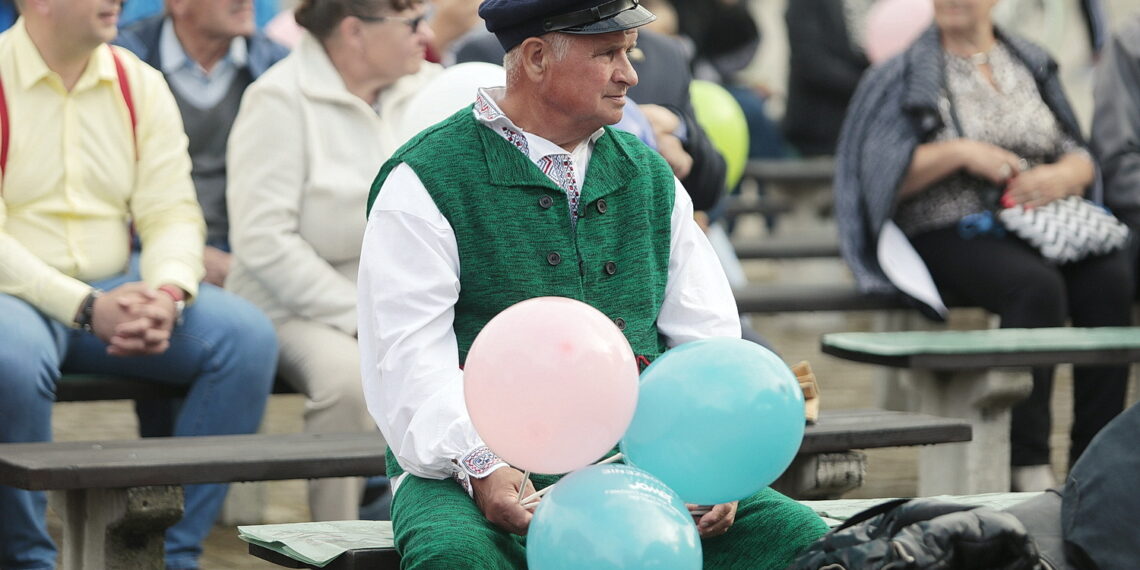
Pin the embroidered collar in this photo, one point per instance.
(488, 113)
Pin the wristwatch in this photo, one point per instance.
(179, 297)
(85, 318)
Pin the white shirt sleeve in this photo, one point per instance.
(408, 286)
(407, 290)
(698, 299)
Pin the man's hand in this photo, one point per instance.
(134, 320)
(217, 265)
(497, 495)
(716, 521)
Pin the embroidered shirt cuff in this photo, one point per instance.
(478, 463)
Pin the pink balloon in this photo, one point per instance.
(284, 30)
(550, 384)
(893, 24)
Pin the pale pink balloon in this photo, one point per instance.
(550, 384)
(892, 25)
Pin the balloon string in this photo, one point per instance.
(530, 501)
(522, 485)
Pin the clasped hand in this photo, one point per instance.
(497, 496)
(134, 320)
(1027, 186)
(715, 521)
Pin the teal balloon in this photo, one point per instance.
(610, 517)
(717, 420)
(723, 120)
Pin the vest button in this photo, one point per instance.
(610, 268)
(553, 258)
(601, 205)
(620, 322)
(546, 202)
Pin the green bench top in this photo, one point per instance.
(952, 350)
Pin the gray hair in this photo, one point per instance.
(559, 47)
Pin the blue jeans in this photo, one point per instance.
(225, 350)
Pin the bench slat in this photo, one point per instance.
(266, 457)
(844, 430)
(808, 171)
(779, 298)
(785, 249)
(980, 349)
(96, 387)
(188, 460)
(100, 387)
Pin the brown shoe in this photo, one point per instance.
(810, 386)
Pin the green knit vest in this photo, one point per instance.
(512, 225)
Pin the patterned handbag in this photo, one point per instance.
(1066, 230)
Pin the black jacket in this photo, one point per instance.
(924, 533)
(823, 72)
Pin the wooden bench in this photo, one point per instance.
(803, 297)
(383, 556)
(119, 496)
(786, 248)
(948, 378)
(798, 172)
(803, 185)
(105, 387)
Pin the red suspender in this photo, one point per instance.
(124, 87)
(3, 131)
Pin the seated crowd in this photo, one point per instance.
(226, 210)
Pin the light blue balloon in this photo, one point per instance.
(717, 420)
(611, 517)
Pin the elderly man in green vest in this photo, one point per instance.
(536, 196)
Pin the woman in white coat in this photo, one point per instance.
(310, 136)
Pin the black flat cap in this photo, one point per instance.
(513, 21)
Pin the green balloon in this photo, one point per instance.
(721, 117)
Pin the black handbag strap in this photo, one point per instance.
(871, 513)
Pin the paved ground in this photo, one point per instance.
(891, 472)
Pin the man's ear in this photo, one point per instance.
(536, 57)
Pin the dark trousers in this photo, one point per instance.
(1008, 277)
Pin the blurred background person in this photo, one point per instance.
(1116, 129)
(209, 51)
(451, 22)
(931, 140)
(827, 60)
(307, 142)
(135, 10)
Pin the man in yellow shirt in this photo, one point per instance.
(93, 140)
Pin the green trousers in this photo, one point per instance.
(437, 526)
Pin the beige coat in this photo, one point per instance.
(301, 159)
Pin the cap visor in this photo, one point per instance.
(626, 20)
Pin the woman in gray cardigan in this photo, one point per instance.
(932, 139)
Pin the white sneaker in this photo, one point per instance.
(1032, 478)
